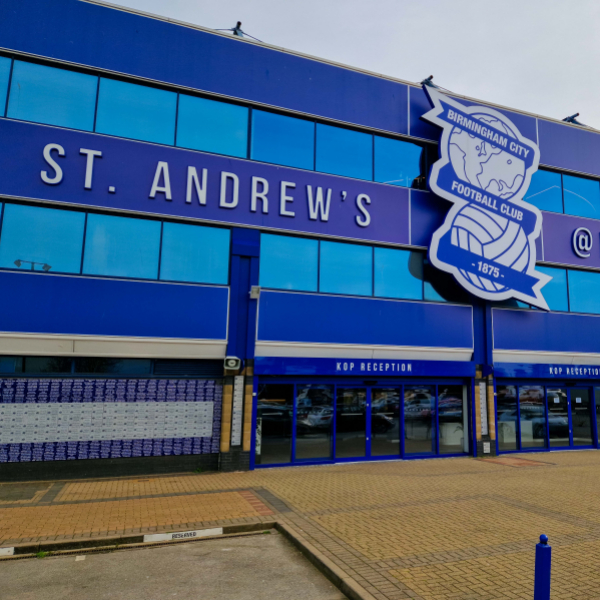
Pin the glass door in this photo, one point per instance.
(385, 421)
(581, 416)
(351, 422)
(314, 422)
(420, 420)
(558, 418)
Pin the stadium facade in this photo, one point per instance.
(172, 196)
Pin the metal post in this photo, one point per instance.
(543, 559)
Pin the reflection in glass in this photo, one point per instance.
(398, 274)
(288, 263)
(314, 421)
(274, 412)
(51, 239)
(344, 152)
(53, 96)
(581, 416)
(121, 247)
(194, 253)
(545, 191)
(385, 421)
(584, 292)
(4, 74)
(117, 366)
(136, 111)
(351, 422)
(558, 417)
(451, 419)
(282, 140)
(555, 291)
(419, 420)
(506, 402)
(212, 126)
(46, 364)
(533, 416)
(346, 269)
(581, 197)
(597, 403)
(397, 162)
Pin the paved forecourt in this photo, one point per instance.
(430, 529)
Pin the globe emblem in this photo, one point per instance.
(489, 168)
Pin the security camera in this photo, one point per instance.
(233, 363)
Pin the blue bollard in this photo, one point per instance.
(543, 559)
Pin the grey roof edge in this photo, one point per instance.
(326, 61)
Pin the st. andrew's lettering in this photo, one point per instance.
(283, 200)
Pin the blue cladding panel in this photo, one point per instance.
(344, 152)
(339, 320)
(569, 147)
(43, 235)
(136, 111)
(121, 247)
(82, 306)
(581, 197)
(346, 269)
(129, 43)
(289, 263)
(545, 332)
(194, 253)
(52, 96)
(427, 213)
(212, 126)
(4, 75)
(283, 140)
(545, 191)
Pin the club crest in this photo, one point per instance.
(487, 240)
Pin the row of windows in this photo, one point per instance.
(566, 194)
(308, 265)
(43, 94)
(64, 241)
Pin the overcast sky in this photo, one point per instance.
(540, 56)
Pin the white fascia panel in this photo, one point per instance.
(541, 358)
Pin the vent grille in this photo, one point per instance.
(210, 369)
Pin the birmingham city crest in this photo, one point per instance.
(487, 240)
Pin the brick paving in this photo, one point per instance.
(428, 529)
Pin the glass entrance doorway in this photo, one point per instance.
(307, 422)
(531, 417)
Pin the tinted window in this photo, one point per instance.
(53, 96)
(506, 403)
(397, 162)
(398, 274)
(136, 111)
(212, 126)
(344, 152)
(194, 253)
(346, 269)
(283, 140)
(584, 292)
(545, 191)
(46, 364)
(4, 75)
(289, 263)
(50, 238)
(555, 291)
(121, 247)
(122, 366)
(582, 197)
